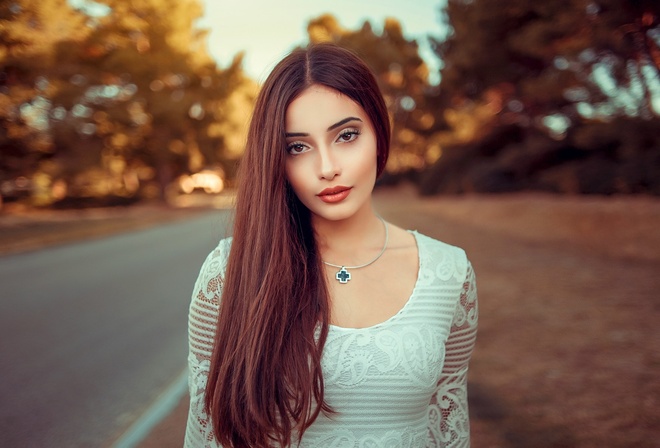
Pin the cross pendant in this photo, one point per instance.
(342, 275)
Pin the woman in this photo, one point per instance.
(319, 324)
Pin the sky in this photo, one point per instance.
(266, 30)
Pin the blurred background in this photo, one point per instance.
(121, 116)
(113, 101)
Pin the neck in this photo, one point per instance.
(350, 240)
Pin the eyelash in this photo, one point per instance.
(290, 147)
(352, 132)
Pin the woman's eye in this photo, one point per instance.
(296, 148)
(348, 135)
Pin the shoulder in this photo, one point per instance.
(210, 278)
(217, 258)
(448, 261)
(432, 244)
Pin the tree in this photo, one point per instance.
(153, 90)
(132, 100)
(537, 84)
(30, 30)
(561, 56)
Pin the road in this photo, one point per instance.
(91, 333)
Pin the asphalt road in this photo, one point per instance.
(91, 333)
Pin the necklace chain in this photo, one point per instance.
(343, 276)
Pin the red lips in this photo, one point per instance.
(334, 194)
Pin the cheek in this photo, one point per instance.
(294, 174)
(369, 162)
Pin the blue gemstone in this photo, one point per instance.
(343, 275)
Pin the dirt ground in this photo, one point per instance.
(23, 229)
(568, 351)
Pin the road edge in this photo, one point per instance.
(161, 408)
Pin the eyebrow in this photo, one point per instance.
(334, 126)
(344, 121)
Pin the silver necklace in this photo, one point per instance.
(342, 275)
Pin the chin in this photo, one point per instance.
(336, 212)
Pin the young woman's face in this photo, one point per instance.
(332, 153)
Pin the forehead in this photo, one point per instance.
(319, 107)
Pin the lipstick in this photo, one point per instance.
(335, 194)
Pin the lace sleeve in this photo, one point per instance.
(202, 320)
(449, 423)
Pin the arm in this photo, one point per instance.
(449, 422)
(202, 321)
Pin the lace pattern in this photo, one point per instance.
(449, 423)
(401, 383)
(347, 439)
(202, 319)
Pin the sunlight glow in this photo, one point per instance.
(281, 26)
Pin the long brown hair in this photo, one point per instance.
(265, 380)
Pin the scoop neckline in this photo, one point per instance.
(406, 305)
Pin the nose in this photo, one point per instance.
(330, 164)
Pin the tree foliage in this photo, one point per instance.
(529, 89)
(552, 56)
(116, 102)
(29, 32)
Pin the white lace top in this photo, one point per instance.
(400, 383)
